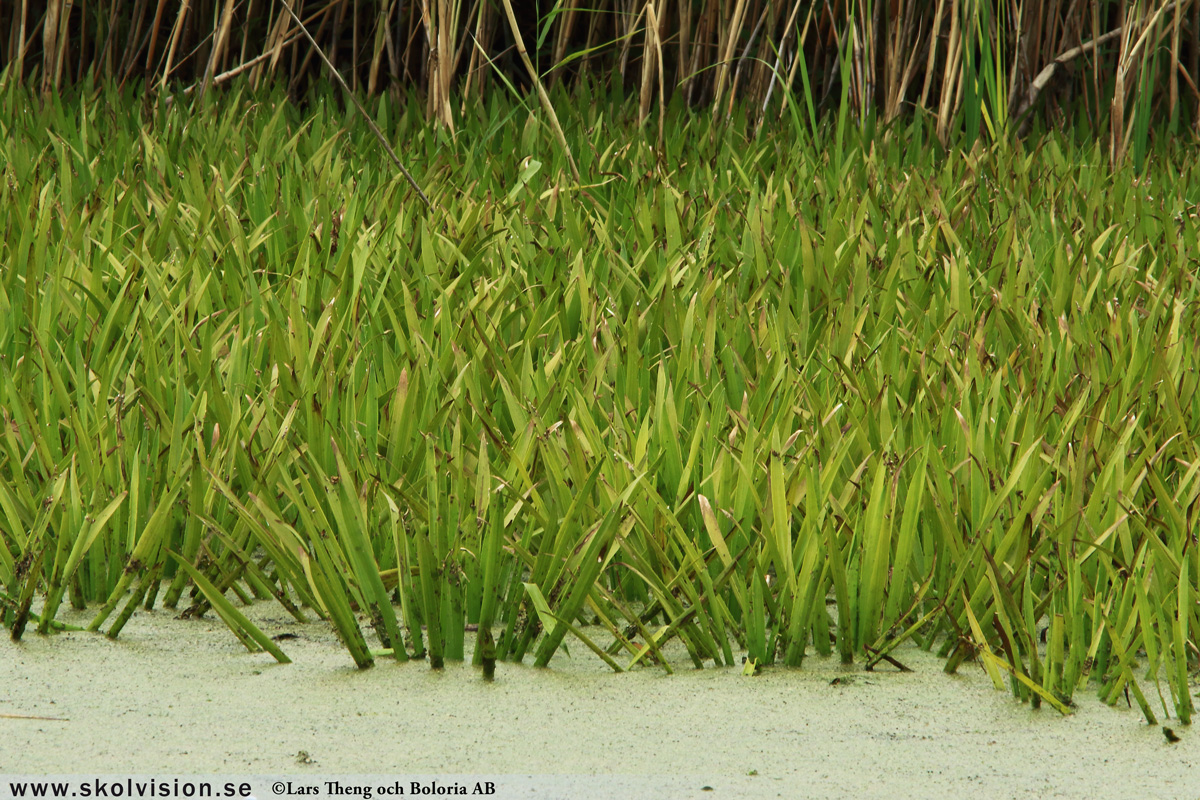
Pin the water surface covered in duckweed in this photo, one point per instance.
(182, 697)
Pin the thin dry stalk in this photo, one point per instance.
(1018, 65)
(737, 75)
(761, 71)
(464, 41)
(1117, 113)
(648, 66)
(381, 25)
(1173, 89)
(125, 65)
(703, 40)
(410, 38)
(339, 17)
(1039, 83)
(800, 57)
(155, 27)
(952, 78)
(298, 72)
(562, 37)
(246, 33)
(878, 53)
(593, 36)
(49, 50)
(230, 74)
(631, 23)
(393, 53)
(21, 40)
(783, 46)
(175, 35)
(219, 48)
(900, 38)
(934, 35)
(447, 64)
(481, 40)
(652, 64)
(541, 90)
(367, 117)
(1131, 59)
(82, 46)
(682, 78)
(735, 30)
(275, 45)
(662, 94)
(105, 58)
(62, 41)
(439, 23)
(1195, 65)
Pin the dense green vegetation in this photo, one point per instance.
(766, 391)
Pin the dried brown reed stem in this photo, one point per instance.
(370, 122)
(1043, 78)
(541, 90)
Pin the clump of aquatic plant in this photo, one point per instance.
(787, 392)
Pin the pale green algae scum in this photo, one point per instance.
(182, 697)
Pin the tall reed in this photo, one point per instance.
(976, 66)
